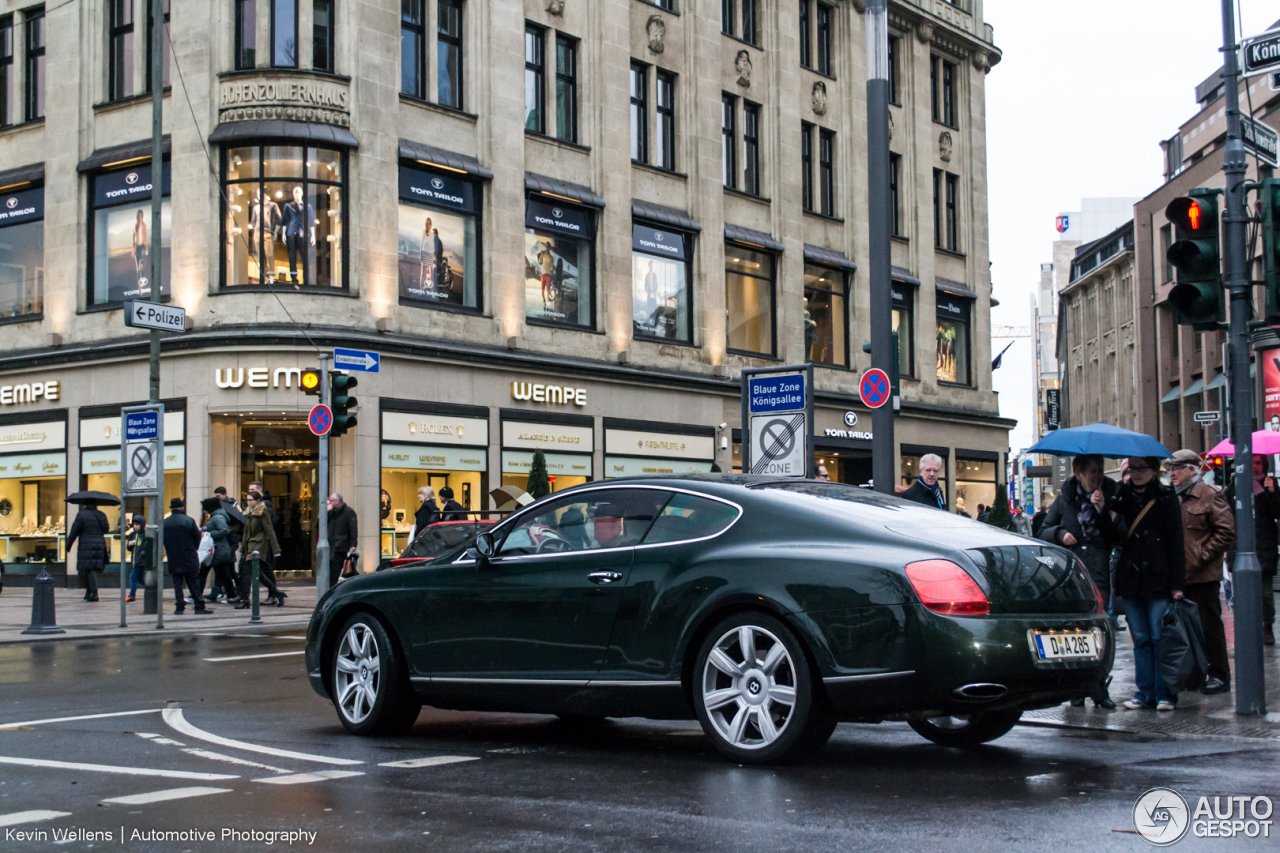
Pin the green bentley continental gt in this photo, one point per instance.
(768, 609)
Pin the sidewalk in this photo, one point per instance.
(81, 619)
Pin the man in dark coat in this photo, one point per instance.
(1266, 519)
(182, 546)
(224, 553)
(90, 530)
(343, 535)
(925, 490)
(452, 510)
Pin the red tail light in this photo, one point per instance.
(1102, 604)
(944, 587)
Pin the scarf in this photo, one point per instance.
(1186, 487)
(1087, 515)
(936, 491)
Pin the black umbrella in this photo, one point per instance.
(93, 499)
(234, 513)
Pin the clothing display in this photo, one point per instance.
(297, 236)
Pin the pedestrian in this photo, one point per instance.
(1037, 521)
(984, 512)
(1082, 521)
(925, 490)
(343, 533)
(822, 473)
(267, 561)
(1022, 523)
(452, 510)
(259, 535)
(181, 547)
(90, 530)
(1208, 531)
(1151, 572)
(1266, 514)
(140, 548)
(224, 555)
(424, 516)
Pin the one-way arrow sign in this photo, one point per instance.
(355, 359)
(152, 315)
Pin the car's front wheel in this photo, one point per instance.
(371, 687)
(969, 730)
(755, 693)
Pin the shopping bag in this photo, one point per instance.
(205, 550)
(1183, 664)
(351, 567)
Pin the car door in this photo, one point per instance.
(544, 606)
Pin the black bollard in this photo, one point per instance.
(43, 620)
(254, 618)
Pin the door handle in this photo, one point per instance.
(605, 577)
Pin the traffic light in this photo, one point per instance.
(341, 401)
(1198, 296)
(311, 382)
(1269, 197)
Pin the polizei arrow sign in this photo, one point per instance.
(153, 315)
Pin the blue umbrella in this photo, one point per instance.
(1103, 439)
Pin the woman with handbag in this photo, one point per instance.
(259, 535)
(1151, 573)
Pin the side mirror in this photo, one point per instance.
(484, 547)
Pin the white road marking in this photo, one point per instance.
(173, 716)
(161, 796)
(302, 778)
(29, 817)
(433, 761)
(108, 768)
(147, 735)
(84, 717)
(255, 657)
(168, 741)
(218, 756)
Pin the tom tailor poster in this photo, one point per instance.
(433, 255)
(557, 264)
(124, 262)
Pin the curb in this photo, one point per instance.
(168, 631)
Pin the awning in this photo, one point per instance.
(272, 128)
(562, 189)
(751, 237)
(903, 275)
(1194, 388)
(1173, 394)
(433, 156)
(830, 257)
(1219, 381)
(121, 153)
(955, 288)
(22, 175)
(664, 215)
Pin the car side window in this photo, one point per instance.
(690, 517)
(610, 518)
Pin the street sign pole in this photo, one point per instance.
(155, 591)
(322, 475)
(883, 446)
(1247, 574)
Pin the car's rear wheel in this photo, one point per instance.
(371, 689)
(755, 693)
(969, 730)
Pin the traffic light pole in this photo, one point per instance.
(883, 446)
(1246, 572)
(322, 515)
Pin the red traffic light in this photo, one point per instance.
(1192, 214)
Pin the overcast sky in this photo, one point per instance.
(1076, 109)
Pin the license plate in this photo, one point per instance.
(1064, 645)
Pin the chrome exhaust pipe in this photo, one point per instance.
(980, 692)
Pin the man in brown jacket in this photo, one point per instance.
(1209, 530)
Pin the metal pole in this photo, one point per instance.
(155, 591)
(883, 446)
(322, 515)
(254, 618)
(157, 548)
(1247, 574)
(123, 551)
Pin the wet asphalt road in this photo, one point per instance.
(534, 783)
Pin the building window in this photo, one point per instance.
(439, 239)
(806, 165)
(953, 188)
(893, 69)
(34, 47)
(22, 254)
(413, 41)
(748, 278)
(824, 40)
(895, 217)
(449, 54)
(953, 340)
(535, 80)
(728, 140)
(904, 328)
(937, 208)
(284, 33)
(660, 296)
(942, 85)
(666, 117)
(322, 35)
(285, 220)
(825, 321)
(827, 170)
(975, 485)
(750, 22)
(566, 88)
(639, 113)
(120, 236)
(164, 47)
(246, 34)
(751, 147)
(726, 17)
(559, 244)
(806, 52)
(6, 70)
(120, 50)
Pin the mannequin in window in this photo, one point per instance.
(299, 232)
(427, 259)
(141, 250)
(266, 221)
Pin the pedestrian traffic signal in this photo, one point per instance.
(1269, 201)
(1198, 296)
(311, 382)
(340, 400)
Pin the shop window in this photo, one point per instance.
(33, 42)
(449, 54)
(975, 485)
(558, 262)
(120, 238)
(322, 35)
(406, 468)
(413, 47)
(566, 88)
(439, 237)
(33, 508)
(246, 34)
(164, 47)
(749, 285)
(910, 470)
(639, 113)
(119, 49)
(904, 328)
(660, 297)
(953, 340)
(284, 33)
(666, 118)
(22, 254)
(6, 70)
(825, 321)
(285, 214)
(535, 79)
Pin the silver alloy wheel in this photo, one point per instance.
(357, 673)
(749, 687)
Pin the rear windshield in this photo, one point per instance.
(1033, 579)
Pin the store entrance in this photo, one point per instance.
(283, 455)
(844, 466)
